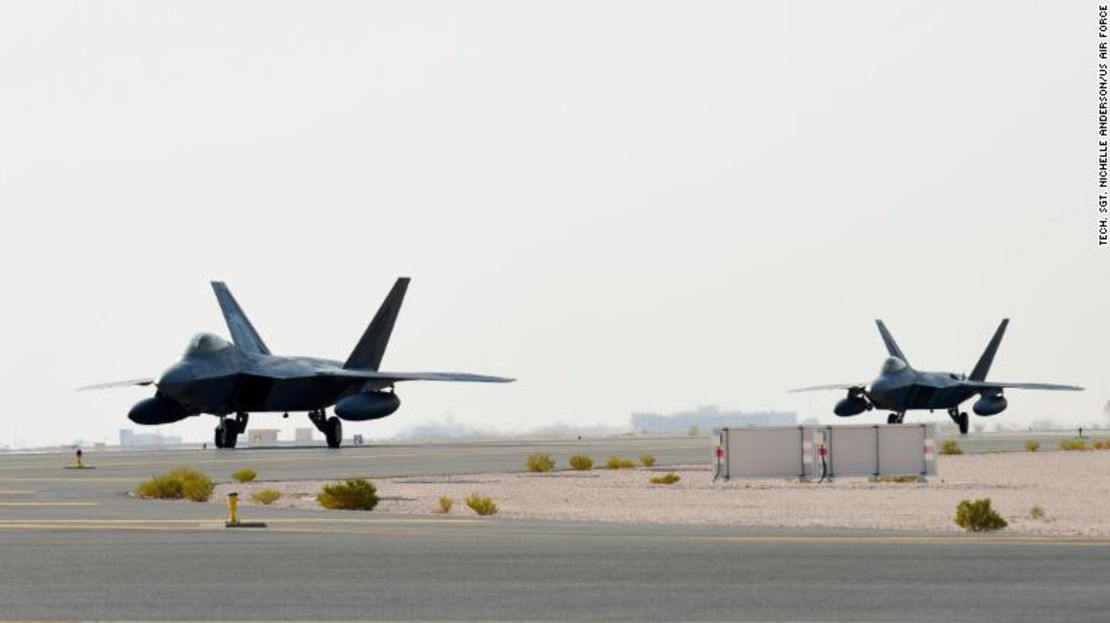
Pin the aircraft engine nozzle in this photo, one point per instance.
(990, 405)
(852, 405)
(157, 410)
(367, 406)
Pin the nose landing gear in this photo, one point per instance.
(228, 430)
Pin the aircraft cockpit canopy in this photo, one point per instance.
(203, 343)
(893, 364)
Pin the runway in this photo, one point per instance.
(76, 546)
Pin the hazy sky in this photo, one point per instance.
(627, 205)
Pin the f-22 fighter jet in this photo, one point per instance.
(900, 388)
(226, 379)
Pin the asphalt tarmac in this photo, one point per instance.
(73, 544)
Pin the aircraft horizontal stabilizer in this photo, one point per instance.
(1004, 385)
(141, 382)
(819, 388)
(373, 375)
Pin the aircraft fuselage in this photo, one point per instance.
(229, 380)
(910, 389)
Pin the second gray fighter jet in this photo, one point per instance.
(900, 388)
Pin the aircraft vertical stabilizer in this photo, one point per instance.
(985, 361)
(242, 331)
(368, 354)
(888, 339)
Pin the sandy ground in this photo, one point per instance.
(1072, 487)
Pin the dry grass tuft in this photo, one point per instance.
(445, 504)
(616, 462)
(540, 462)
(183, 482)
(266, 496)
(244, 475)
(354, 494)
(951, 446)
(978, 516)
(481, 504)
(667, 479)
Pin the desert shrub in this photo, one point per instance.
(354, 494)
(540, 462)
(978, 516)
(1073, 444)
(616, 462)
(581, 462)
(445, 504)
(182, 482)
(1036, 512)
(266, 496)
(647, 459)
(244, 475)
(1032, 445)
(903, 478)
(951, 446)
(1100, 444)
(481, 504)
(667, 479)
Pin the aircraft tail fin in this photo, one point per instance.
(242, 331)
(888, 339)
(987, 358)
(368, 354)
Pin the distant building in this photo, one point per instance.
(302, 435)
(707, 418)
(262, 436)
(128, 437)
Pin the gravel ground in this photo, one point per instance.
(1073, 488)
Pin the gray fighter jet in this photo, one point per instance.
(900, 388)
(225, 379)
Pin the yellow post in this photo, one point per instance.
(232, 508)
(80, 459)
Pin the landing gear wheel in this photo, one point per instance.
(963, 422)
(227, 433)
(892, 418)
(334, 432)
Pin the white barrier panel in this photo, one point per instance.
(763, 452)
(825, 451)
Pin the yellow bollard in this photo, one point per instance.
(78, 461)
(233, 514)
(232, 508)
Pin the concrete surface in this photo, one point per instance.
(74, 545)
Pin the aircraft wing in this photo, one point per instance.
(117, 384)
(390, 377)
(819, 388)
(1003, 385)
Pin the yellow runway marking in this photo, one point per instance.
(34, 479)
(159, 463)
(14, 492)
(7, 504)
(362, 528)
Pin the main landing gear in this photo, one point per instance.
(959, 418)
(896, 418)
(332, 427)
(228, 430)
